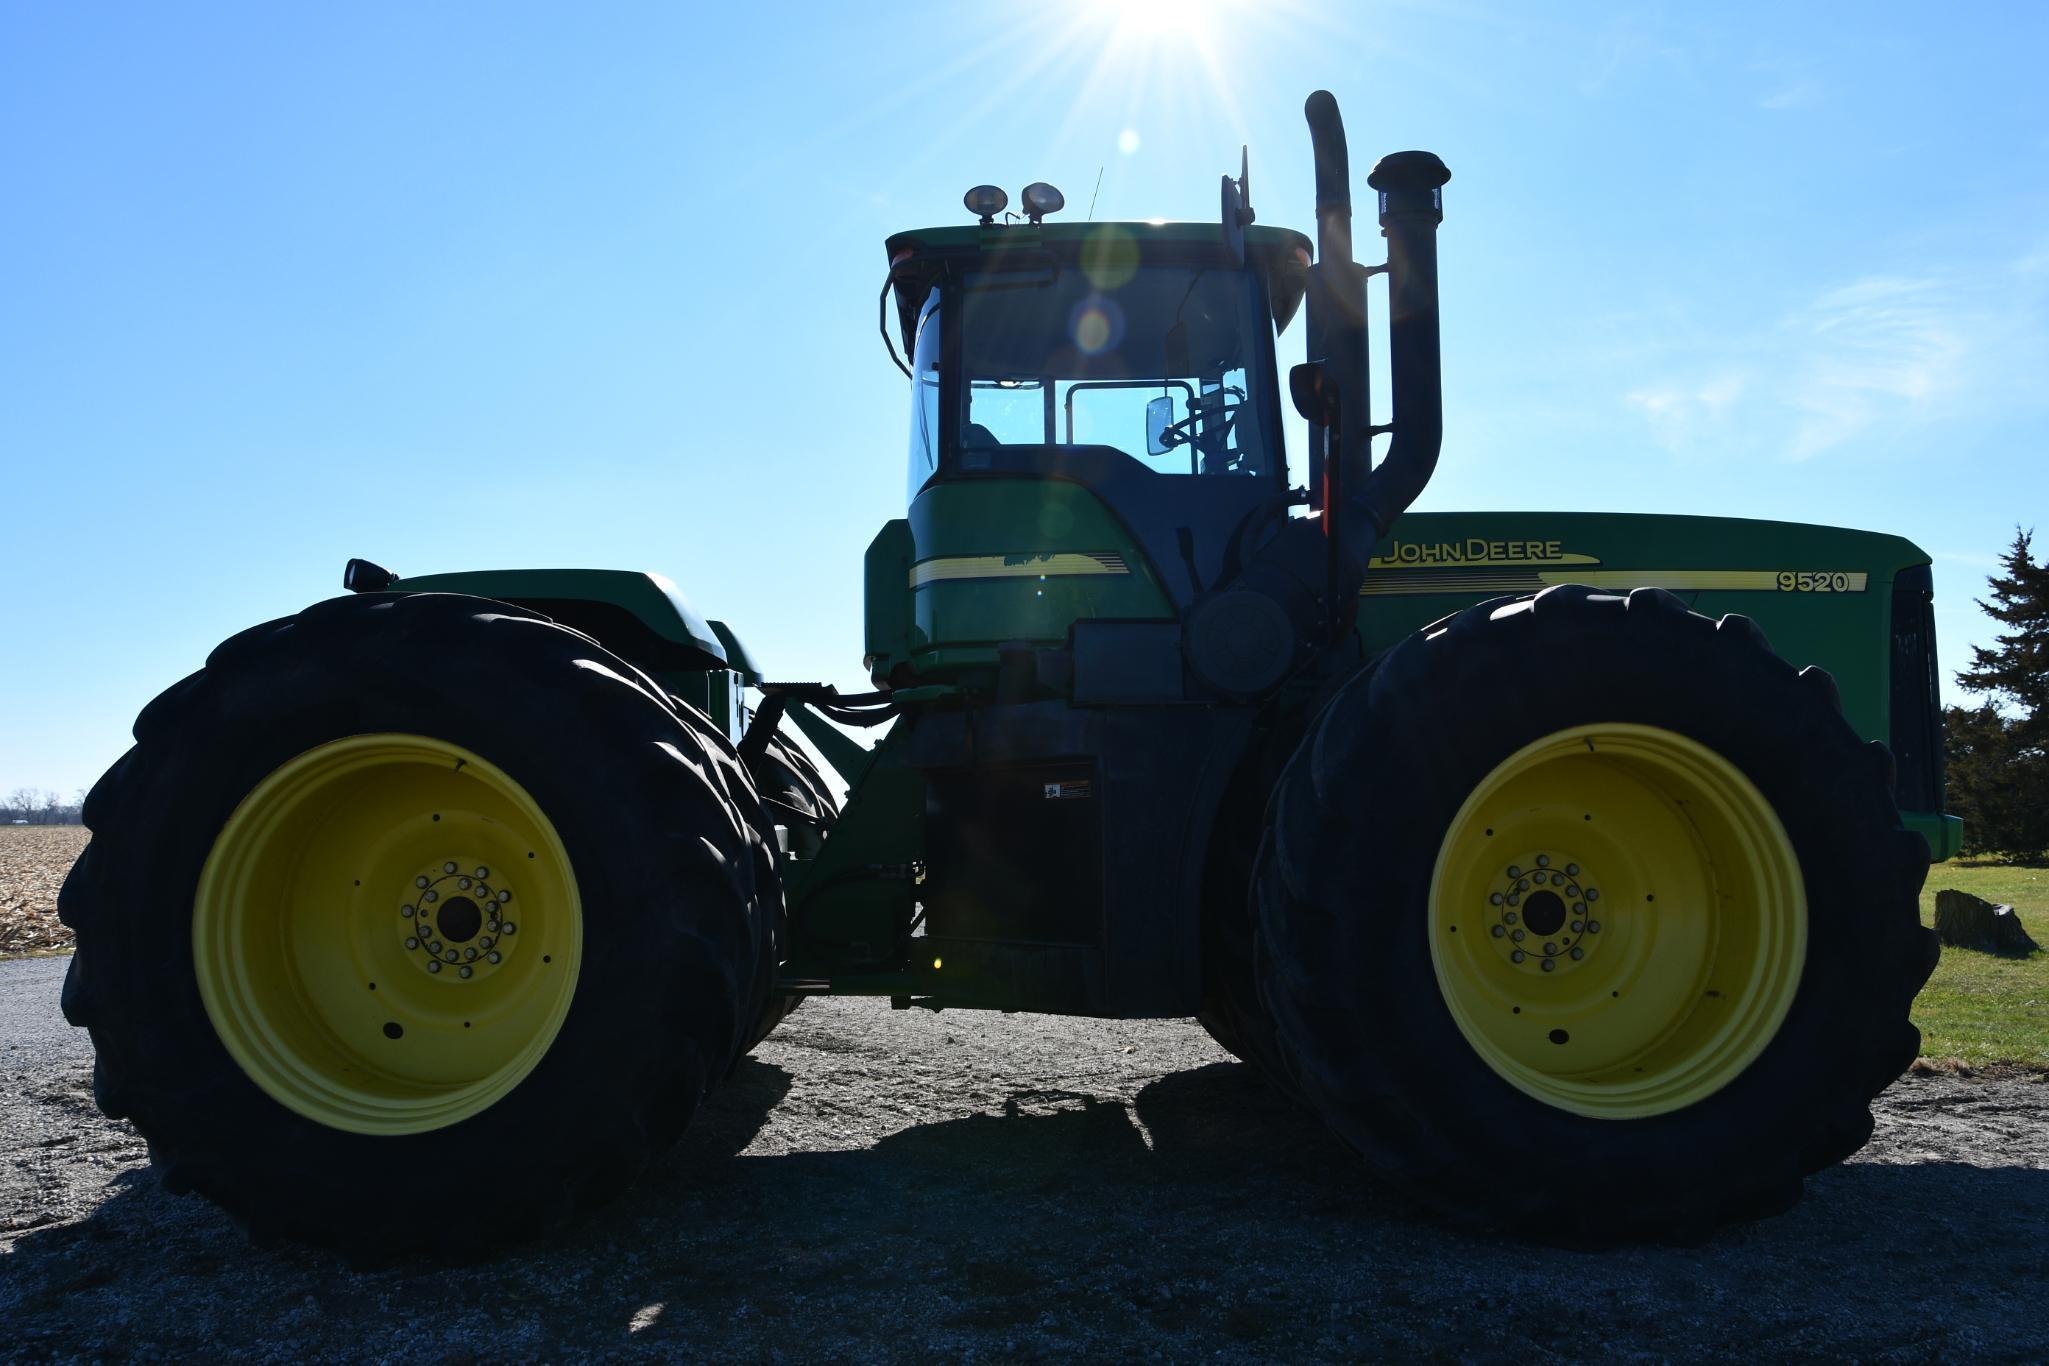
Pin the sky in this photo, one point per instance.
(465, 286)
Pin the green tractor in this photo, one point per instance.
(1504, 843)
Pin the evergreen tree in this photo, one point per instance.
(1998, 758)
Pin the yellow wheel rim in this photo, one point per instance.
(1617, 921)
(387, 934)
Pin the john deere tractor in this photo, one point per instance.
(1503, 842)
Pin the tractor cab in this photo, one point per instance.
(1094, 417)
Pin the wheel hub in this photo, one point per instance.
(456, 922)
(1545, 914)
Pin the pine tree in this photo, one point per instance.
(1998, 757)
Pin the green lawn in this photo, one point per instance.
(1980, 1009)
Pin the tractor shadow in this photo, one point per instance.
(1205, 1210)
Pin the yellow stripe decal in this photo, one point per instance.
(1397, 582)
(1016, 567)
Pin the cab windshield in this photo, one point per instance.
(1166, 364)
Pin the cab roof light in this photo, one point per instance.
(985, 202)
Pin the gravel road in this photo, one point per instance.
(880, 1185)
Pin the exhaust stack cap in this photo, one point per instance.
(1408, 182)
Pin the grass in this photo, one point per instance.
(1981, 1010)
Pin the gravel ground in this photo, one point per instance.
(880, 1185)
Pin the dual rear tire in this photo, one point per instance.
(417, 923)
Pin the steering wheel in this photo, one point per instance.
(1217, 420)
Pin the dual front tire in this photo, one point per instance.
(1589, 917)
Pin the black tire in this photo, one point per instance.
(1232, 1012)
(1345, 876)
(678, 891)
(795, 796)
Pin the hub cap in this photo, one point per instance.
(387, 934)
(1618, 923)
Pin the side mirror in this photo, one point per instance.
(1159, 415)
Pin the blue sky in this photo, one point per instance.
(462, 287)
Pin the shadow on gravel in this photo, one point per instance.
(1208, 1212)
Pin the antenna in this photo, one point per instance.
(1093, 193)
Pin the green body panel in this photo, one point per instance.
(1002, 561)
(640, 617)
(1944, 833)
(1822, 594)
(650, 598)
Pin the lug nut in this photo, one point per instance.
(412, 943)
(469, 953)
(1550, 947)
(1540, 878)
(1543, 860)
(1593, 894)
(1578, 952)
(504, 896)
(466, 969)
(1572, 870)
(1515, 899)
(491, 957)
(510, 927)
(1494, 900)
(1579, 908)
(435, 947)
(1516, 935)
(448, 867)
(463, 883)
(1499, 931)
(1550, 966)
(451, 955)
(1516, 956)
(420, 881)
(485, 942)
(1508, 917)
(1515, 870)
(483, 873)
(1593, 927)
(433, 965)
(407, 911)
(431, 896)
(1578, 925)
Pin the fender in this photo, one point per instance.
(641, 617)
